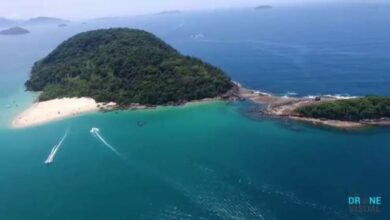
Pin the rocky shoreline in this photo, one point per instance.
(284, 107)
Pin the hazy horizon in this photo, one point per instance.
(86, 9)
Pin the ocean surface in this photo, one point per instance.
(215, 160)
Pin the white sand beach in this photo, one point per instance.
(47, 111)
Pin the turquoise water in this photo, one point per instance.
(214, 160)
(205, 161)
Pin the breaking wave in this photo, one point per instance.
(336, 96)
(290, 94)
(342, 96)
(261, 93)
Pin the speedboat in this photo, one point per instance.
(48, 162)
(50, 158)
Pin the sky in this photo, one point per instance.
(83, 9)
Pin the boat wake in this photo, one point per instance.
(95, 133)
(53, 152)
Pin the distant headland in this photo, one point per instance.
(169, 12)
(14, 31)
(262, 7)
(45, 20)
(6, 22)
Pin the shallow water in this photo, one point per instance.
(201, 161)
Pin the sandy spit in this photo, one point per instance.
(56, 109)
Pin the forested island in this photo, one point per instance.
(131, 67)
(262, 7)
(14, 31)
(367, 108)
(45, 20)
(125, 66)
(169, 12)
(326, 111)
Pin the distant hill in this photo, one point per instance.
(45, 20)
(262, 7)
(125, 66)
(104, 19)
(169, 12)
(14, 31)
(6, 22)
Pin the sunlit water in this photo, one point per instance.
(215, 160)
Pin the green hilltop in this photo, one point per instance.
(124, 66)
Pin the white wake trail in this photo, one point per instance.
(53, 152)
(95, 132)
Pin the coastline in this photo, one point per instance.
(276, 106)
(12, 105)
(284, 107)
(58, 109)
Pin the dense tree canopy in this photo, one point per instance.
(371, 107)
(124, 66)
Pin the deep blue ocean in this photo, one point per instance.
(216, 160)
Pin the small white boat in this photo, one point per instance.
(94, 130)
(48, 162)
